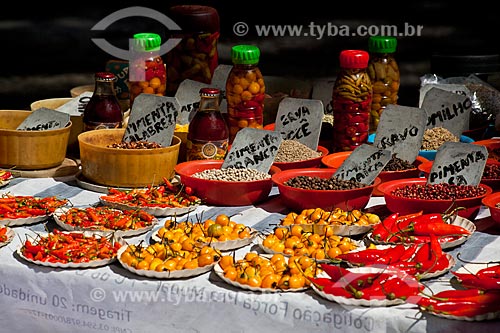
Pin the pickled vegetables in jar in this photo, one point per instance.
(245, 90)
(351, 101)
(384, 75)
(147, 73)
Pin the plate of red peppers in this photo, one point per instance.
(366, 286)
(5, 177)
(26, 209)
(6, 235)
(417, 228)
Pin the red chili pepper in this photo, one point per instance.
(421, 219)
(457, 293)
(169, 185)
(463, 305)
(362, 257)
(484, 283)
(402, 288)
(4, 175)
(437, 228)
(491, 272)
(328, 287)
(409, 252)
(382, 230)
(334, 272)
(409, 267)
(423, 253)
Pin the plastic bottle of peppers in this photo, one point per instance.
(208, 134)
(147, 72)
(383, 70)
(196, 56)
(351, 101)
(245, 90)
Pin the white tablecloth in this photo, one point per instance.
(112, 299)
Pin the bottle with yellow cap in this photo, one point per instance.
(384, 75)
(245, 90)
(351, 101)
(147, 73)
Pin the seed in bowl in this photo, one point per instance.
(443, 191)
(318, 183)
(232, 174)
(135, 145)
(398, 164)
(491, 171)
(294, 151)
(435, 137)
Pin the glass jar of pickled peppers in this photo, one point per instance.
(384, 75)
(196, 56)
(147, 72)
(351, 101)
(245, 90)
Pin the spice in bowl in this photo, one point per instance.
(435, 137)
(294, 151)
(318, 183)
(443, 191)
(135, 145)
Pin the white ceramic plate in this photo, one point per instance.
(93, 263)
(220, 273)
(358, 302)
(340, 230)
(156, 211)
(24, 220)
(177, 274)
(123, 233)
(360, 246)
(460, 221)
(10, 233)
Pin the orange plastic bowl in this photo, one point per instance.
(335, 160)
(491, 201)
(223, 193)
(426, 168)
(299, 199)
(404, 206)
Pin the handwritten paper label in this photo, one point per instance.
(300, 120)
(363, 164)
(76, 105)
(44, 119)
(188, 97)
(253, 148)
(152, 119)
(400, 130)
(448, 110)
(322, 90)
(458, 163)
(459, 89)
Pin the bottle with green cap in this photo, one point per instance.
(147, 72)
(383, 70)
(245, 90)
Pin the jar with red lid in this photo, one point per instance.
(196, 56)
(245, 90)
(351, 101)
(147, 72)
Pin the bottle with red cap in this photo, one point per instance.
(103, 109)
(208, 132)
(351, 101)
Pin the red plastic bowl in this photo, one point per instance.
(299, 199)
(426, 168)
(411, 205)
(335, 160)
(491, 202)
(223, 193)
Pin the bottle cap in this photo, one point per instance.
(195, 18)
(105, 76)
(382, 44)
(354, 59)
(209, 92)
(146, 41)
(245, 54)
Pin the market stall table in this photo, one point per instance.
(112, 299)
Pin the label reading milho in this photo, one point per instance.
(253, 148)
(152, 119)
(363, 164)
(44, 119)
(458, 163)
(400, 130)
(300, 120)
(448, 110)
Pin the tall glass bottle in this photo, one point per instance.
(103, 109)
(351, 101)
(384, 74)
(147, 73)
(208, 133)
(245, 90)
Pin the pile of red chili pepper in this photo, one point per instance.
(415, 259)
(106, 218)
(377, 285)
(166, 195)
(4, 175)
(14, 207)
(417, 228)
(65, 247)
(3, 234)
(487, 278)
